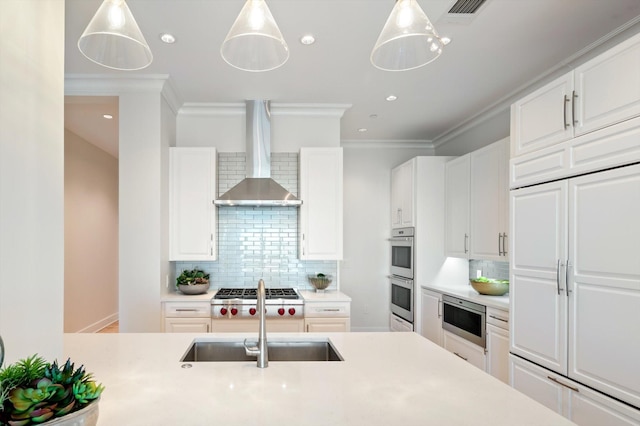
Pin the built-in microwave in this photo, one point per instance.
(465, 319)
(402, 256)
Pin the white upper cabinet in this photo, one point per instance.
(321, 217)
(457, 186)
(542, 118)
(192, 215)
(586, 120)
(489, 212)
(402, 195)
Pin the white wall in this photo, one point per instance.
(90, 237)
(31, 177)
(143, 210)
(367, 227)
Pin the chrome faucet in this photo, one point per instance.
(261, 351)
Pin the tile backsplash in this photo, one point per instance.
(490, 269)
(258, 242)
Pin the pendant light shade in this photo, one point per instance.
(254, 42)
(408, 40)
(114, 40)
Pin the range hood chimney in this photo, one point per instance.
(258, 189)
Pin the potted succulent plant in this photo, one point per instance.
(33, 391)
(194, 281)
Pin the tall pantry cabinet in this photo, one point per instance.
(575, 251)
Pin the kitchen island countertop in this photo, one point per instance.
(385, 379)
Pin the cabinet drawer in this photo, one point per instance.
(327, 309)
(187, 309)
(498, 317)
(464, 349)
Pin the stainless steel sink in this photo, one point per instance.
(233, 351)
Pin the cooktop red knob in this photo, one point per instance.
(281, 311)
(292, 311)
(234, 311)
(223, 311)
(252, 311)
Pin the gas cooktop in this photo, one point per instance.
(252, 293)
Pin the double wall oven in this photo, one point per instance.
(401, 279)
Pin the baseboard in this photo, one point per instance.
(99, 325)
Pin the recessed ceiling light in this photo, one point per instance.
(108, 116)
(362, 130)
(307, 39)
(373, 115)
(392, 98)
(168, 38)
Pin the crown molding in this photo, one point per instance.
(114, 85)
(277, 109)
(386, 144)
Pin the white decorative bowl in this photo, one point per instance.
(193, 288)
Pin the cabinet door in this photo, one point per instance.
(321, 190)
(604, 281)
(608, 87)
(543, 118)
(186, 325)
(320, 325)
(538, 312)
(192, 215)
(498, 352)
(396, 197)
(489, 200)
(464, 349)
(431, 326)
(457, 207)
(402, 202)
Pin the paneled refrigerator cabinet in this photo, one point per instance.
(575, 284)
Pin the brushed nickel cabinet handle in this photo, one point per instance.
(460, 356)
(499, 244)
(466, 238)
(504, 243)
(566, 279)
(499, 319)
(573, 108)
(573, 388)
(564, 111)
(186, 310)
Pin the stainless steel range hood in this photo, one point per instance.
(258, 189)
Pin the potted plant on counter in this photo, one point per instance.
(33, 391)
(194, 281)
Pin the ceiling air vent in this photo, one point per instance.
(466, 6)
(464, 11)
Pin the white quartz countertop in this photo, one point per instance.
(385, 379)
(326, 296)
(468, 293)
(176, 296)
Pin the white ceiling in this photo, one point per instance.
(506, 46)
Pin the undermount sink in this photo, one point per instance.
(233, 351)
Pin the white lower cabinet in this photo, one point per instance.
(431, 317)
(186, 317)
(578, 403)
(398, 324)
(319, 325)
(498, 344)
(327, 315)
(464, 349)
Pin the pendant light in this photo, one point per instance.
(408, 40)
(254, 42)
(114, 40)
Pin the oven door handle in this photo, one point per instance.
(400, 239)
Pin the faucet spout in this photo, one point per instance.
(261, 351)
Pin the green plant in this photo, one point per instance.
(191, 277)
(33, 391)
